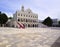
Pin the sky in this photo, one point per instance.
(43, 8)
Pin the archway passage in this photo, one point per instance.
(28, 25)
(33, 25)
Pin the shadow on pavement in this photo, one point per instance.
(57, 43)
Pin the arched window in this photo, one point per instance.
(18, 19)
(26, 20)
(21, 14)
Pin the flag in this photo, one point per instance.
(21, 25)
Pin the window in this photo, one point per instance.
(18, 19)
(34, 20)
(24, 15)
(36, 16)
(21, 14)
(28, 25)
(26, 20)
(12, 25)
(18, 14)
(33, 16)
(28, 12)
(29, 15)
(22, 20)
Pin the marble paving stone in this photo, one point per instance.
(15, 38)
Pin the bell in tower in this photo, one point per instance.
(22, 8)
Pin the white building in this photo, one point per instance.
(25, 17)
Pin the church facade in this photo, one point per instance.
(25, 17)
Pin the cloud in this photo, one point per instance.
(48, 8)
(43, 8)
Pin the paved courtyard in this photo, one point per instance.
(28, 37)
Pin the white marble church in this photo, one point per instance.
(24, 17)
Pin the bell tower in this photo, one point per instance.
(22, 8)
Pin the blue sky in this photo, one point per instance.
(43, 8)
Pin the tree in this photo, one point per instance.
(59, 23)
(10, 18)
(48, 21)
(3, 18)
